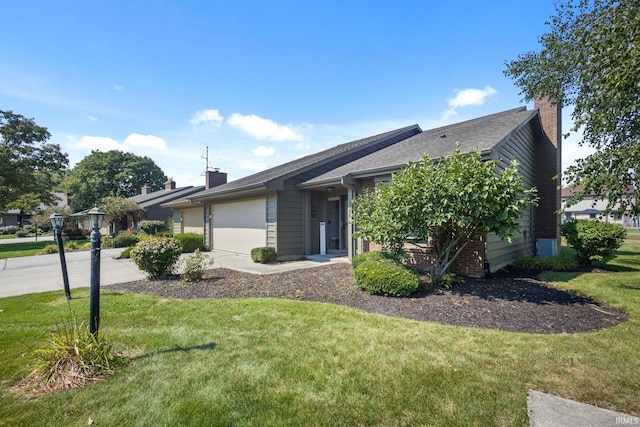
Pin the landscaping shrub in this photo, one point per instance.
(71, 246)
(264, 254)
(151, 227)
(369, 256)
(21, 233)
(157, 256)
(124, 240)
(565, 260)
(194, 265)
(74, 233)
(50, 249)
(386, 277)
(9, 229)
(592, 240)
(189, 242)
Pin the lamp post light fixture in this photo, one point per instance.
(56, 221)
(96, 218)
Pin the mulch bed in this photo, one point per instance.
(511, 300)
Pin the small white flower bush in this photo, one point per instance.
(194, 265)
(157, 256)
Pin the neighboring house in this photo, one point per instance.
(12, 217)
(21, 218)
(151, 201)
(590, 208)
(302, 207)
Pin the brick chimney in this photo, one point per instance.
(549, 171)
(214, 178)
(170, 184)
(145, 189)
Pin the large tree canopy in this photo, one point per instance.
(450, 202)
(113, 173)
(27, 163)
(590, 60)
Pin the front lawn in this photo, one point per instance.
(281, 362)
(12, 250)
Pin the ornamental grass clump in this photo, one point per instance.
(73, 358)
(157, 256)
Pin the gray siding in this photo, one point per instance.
(290, 229)
(272, 220)
(520, 146)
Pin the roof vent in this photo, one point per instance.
(443, 136)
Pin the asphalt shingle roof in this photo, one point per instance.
(482, 133)
(298, 165)
(163, 196)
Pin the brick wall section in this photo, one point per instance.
(469, 263)
(548, 166)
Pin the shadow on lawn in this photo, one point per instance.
(177, 349)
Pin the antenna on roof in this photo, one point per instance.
(207, 168)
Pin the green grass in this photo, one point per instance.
(12, 250)
(7, 236)
(274, 362)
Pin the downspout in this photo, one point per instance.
(351, 185)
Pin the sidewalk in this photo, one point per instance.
(546, 410)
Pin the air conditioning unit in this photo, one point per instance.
(546, 248)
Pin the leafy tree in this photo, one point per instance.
(27, 163)
(452, 202)
(591, 61)
(113, 173)
(120, 211)
(42, 214)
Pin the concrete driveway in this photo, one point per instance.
(41, 273)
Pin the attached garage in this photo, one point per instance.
(239, 226)
(192, 220)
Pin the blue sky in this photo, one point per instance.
(258, 83)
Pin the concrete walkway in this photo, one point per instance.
(546, 410)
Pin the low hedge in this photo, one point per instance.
(189, 242)
(368, 256)
(264, 254)
(386, 277)
(124, 240)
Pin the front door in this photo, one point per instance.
(337, 223)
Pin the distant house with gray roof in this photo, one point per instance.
(152, 201)
(302, 207)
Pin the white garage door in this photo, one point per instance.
(192, 220)
(239, 226)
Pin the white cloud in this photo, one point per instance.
(145, 141)
(263, 128)
(207, 116)
(99, 143)
(467, 97)
(117, 87)
(92, 118)
(263, 151)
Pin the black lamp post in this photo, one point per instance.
(56, 221)
(96, 217)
